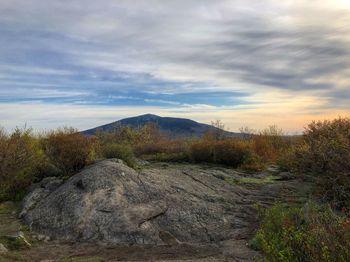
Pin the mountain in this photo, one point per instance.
(175, 127)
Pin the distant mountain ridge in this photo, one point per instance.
(177, 127)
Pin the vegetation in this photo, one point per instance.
(20, 160)
(26, 157)
(307, 233)
(68, 150)
(311, 233)
(324, 153)
(121, 151)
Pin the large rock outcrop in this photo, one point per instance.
(111, 202)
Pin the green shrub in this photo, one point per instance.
(324, 152)
(120, 151)
(69, 150)
(312, 233)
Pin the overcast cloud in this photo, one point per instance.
(243, 61)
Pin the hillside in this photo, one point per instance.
(175, 127)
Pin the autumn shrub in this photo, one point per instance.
(143, 149)
(324, 153)
(69, 150)
(263, 147)
(202, 151)
(311, 233)
(169, 150)
(146, 134)
(120, 151)
(20, 161)
(270, 143)
(231, 152)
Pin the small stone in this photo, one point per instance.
(40, 237)
(168, 238)
(3, 249)
(285, 176)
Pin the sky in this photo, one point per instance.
(253, 63)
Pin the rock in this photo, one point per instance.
(51, 183)
(38, 192)
(168, 238)
(3, 249)
(273, 169)
(285, 176)
(141, 162)
(112, 203)
(40, 237)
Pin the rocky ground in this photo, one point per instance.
(110, 212)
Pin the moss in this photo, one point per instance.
(81, 259)
(251, 180)
(12, 256)
(9, 223)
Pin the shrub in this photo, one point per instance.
(270, 143)
(120, 151)
(20, 159)
(168, 150)
(149, 133)
(324, 153)
(168, 157)
(69, 150)
(202, 151)
(231, 152)
(312, 233)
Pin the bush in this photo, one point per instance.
(168, 157)
(69, 150)
(20, 159)
(120, 151)
(312, 233)
(165, 149)
(149, 133)
(270, 144)
(230, 152)
(324, 152)
(202, 151)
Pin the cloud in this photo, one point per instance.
(199, 56)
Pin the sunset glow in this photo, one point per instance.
(248, 63)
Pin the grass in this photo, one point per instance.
(81, 259)
(251, 180)
(12, 256)
(10, 226)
